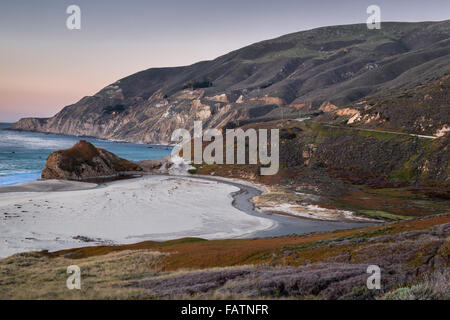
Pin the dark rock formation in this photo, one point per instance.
(84, 161)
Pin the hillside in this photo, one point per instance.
(422, 109)
(377, 174)
(301, 73)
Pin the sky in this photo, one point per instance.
(44, 66)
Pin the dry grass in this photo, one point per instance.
(34, 276)
(192, 253)
(236, 269)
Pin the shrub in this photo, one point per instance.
(198, 84)
(118, 108)
(417, 292)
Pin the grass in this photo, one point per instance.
(194, 253)
(32, 275)
(112, 272)
(404, 174)
(383, 214)
(396, 201)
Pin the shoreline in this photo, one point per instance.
(25, 152)
(264, 190)
(286, 224)
(66, 214)
(240, 193)
(85, 136)
(72, 185)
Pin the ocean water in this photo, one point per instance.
(23, 154)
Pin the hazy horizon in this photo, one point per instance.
(45, 66)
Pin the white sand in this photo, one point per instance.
(48, 185)
(127, 211)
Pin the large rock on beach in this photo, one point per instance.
(84, 161)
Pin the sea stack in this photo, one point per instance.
(84, 161)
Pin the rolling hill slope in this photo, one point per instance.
(316, 70)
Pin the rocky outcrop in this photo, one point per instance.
(84, 161)
(31, 124)
(422, 109)
(338, 65)
(327, 106)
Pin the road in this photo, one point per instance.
(372, 130)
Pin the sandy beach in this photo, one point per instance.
(53, 215)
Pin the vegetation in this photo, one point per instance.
(382, 214)
(198, 84)
(381, 175)
(316, 266)
(118, 108)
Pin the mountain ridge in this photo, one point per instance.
(317, 70)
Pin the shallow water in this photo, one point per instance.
(23, 154)
(285, 225)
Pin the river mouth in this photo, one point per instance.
(54, 215)
(285, 224)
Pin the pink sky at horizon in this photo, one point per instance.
(44, 66)
(53, 83)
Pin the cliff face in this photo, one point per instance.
(326, 68)
(31, 124)
(83, 161)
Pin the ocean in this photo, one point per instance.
(23, 154)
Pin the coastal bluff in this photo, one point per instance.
(393, 80)
(84, 161)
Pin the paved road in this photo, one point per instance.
(372, 130)
(399, 133)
